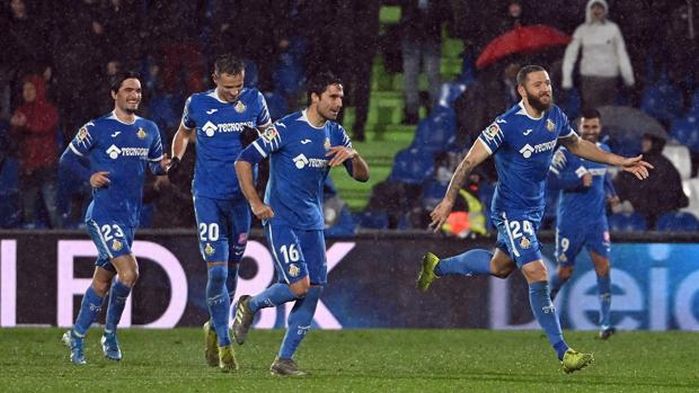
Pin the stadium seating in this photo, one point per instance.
(627, 222)
(691, 189)
(372, 219)
(686, 131)
(437, 132)
(662, 100)
(677, 221)
(412, 166)
(276, 104)
(679, 156)
(10, 212)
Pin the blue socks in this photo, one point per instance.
(299, 322)
(232, 280)
(474, 262)
(89, 309)
(605, 299)
(218, 302)
(545, 313)
(117, 300)
(274, 295)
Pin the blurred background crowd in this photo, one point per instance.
(422, 79)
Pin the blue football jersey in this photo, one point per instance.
(298, 167)
(578, 206)
(219, 127)
(523, 147)
(124, 151)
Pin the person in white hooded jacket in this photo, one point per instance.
(604, 57)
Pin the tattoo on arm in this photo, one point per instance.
(457, 180)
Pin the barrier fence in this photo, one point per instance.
(371, 283)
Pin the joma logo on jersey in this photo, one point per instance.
(210, 128)
(114, 152)
(301, 162)
(527, 150)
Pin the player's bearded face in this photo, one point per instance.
(590, 129)
(330, 102)
(128, 98)
(539, 99)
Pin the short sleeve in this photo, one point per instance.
(84, 140)
(155, 153)
(263, 117)
(492, 137)
(567, 129)
(187, 120)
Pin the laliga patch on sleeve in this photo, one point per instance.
(83, 135)
(269, 133)
(492, 131)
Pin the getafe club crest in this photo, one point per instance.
(209, 250)
(240, 107)
(141, 134)
(326, 144)
(294, 270)
(116, 245)
(525, 243)
(550, 125)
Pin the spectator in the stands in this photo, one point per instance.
(34, 127)
(421, 33)
(604, 58)
(659, 193)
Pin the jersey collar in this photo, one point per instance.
(304, 117)
(113, 116)
(523, 111)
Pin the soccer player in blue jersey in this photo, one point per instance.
(522, 141)
(585, 187)
(302, 148)
(216, 122)
(113, 152)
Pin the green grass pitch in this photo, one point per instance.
(34, 360)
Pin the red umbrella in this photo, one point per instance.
(523, 39)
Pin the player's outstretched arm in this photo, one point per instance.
(590, 151)
(475, 156)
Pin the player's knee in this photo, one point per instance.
(565, 273)
(502, 271)
(100, 287)
(300, 288)
(129, 277)
(218, 275)
(602, 269)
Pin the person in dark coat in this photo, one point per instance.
(661, 192)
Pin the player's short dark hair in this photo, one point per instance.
(319, 82)
(118, 79)
(228, 64)
(590, 113)
(526, 70)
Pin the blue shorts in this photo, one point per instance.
(517, 237)
(112, 238)
(297, 253)
(222, 228)
(569, 242)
